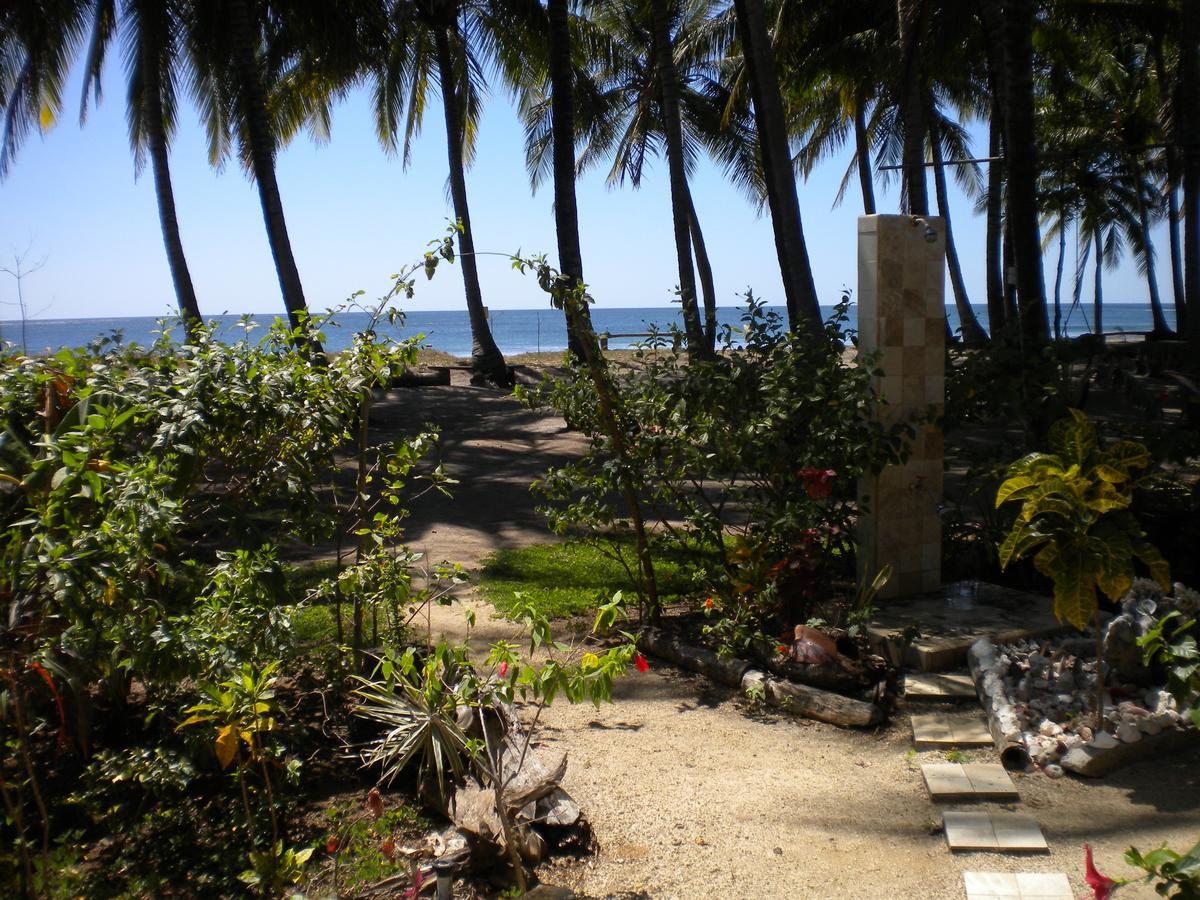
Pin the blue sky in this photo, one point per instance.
(356, 216)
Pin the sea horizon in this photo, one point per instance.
(516, 331)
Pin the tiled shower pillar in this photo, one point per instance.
(901, 315)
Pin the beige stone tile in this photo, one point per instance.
(990, 781)
(946, 781)
(1018, 833)
(973, 732)
(938, 684)
(1044, 886)
(981, 885)
(931, 730)
(969, 830)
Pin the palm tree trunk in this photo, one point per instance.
(804, 310)
(1176, 243)
(972, 332)
(1012, 313)
(912, 16)
(994, 246)
(1161, 328)
(668, 86)
(704, 267)
(579, 325)
(486, 358)
(262, 159)
(1021, 154)
(1080, 267)
(862, 147)
(1058, 276)
(1098, 287)
(1167, 121)
(1188, 117)
(562, 115)
(156, 138)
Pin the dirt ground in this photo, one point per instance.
(692, 792)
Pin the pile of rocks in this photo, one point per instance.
(1047, 689)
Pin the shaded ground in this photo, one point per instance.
(692, 792)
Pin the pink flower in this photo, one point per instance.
(1101, 885)
(639, 662)
(374, 803)
(503, 669)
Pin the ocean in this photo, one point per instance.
(515, 330)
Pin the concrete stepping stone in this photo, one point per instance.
(939, 686)
(939, 731)
(1017, 886)
(968, 781)
(1006, 832)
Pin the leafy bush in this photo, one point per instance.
(748, 462)
(1075, 515)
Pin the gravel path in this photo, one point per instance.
(693, 793)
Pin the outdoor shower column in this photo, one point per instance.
(902, 317)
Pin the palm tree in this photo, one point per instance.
(37, 43)
(451, 43)
(230, 42)
(804, 310)
(1021, 157)
(622, 116)
(152, 43)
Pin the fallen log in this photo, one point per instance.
(695, 659)
(813, 703)
(800, 699)
(1003, 721)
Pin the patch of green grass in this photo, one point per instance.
(570, 578)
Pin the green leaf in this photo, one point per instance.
(1074, 573)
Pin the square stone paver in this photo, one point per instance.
(939, 686)
(973, 781)
(1017, 886)
(1006, 832)
(940, 731)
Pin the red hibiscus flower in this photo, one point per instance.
(374, 803)
(503, 669)
(818, 483)
(1101, 885)
(782, 649)
(640, 663)
(708, 603)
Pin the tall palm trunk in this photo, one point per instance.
(1098, 287)
(804, 310)
(668, 87)
(1156, 308)
(704, 268)
(562, 124)
(579, 326)
(1174, 176)
(862, 149)
(149, 42)
(972, 332)
(1080, 268)
(1188, 117)
(1021, 154)
(1058, 275)
(486, 358)
(994, 247)
(262, 159)
(912, 16)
